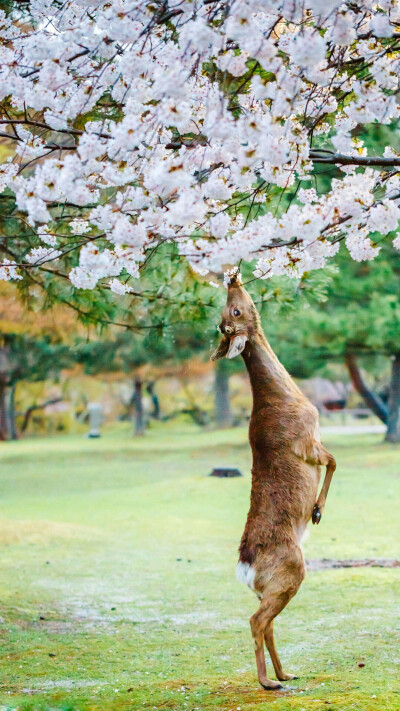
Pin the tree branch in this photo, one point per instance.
(322, 156)
(32, 409)
(46, 127)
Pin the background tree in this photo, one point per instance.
(34, 346)
(26, 359)
(358, 318)
(159, 350)
(223, 411)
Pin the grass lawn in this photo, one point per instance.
(118, 590)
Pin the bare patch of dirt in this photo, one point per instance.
(332, 563)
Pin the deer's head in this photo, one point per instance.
(239, 323)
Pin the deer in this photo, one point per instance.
(287, 460)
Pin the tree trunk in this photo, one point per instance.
(138, 405)
(11, 424)
(222, 403)
(3, 411)
(372, 400)
(156, 413)
(393, 423)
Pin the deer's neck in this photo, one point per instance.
(268, 377)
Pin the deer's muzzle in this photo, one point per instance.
(228, 330)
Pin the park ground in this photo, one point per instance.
(117, 582)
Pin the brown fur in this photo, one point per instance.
(287, 459)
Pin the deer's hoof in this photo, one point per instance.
(287, 677)
(316, 514)
(270, 685)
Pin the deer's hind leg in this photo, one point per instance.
(259, 623)
(275, 597)
(270, 643)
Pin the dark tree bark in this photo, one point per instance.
(12, 426)
(393, 423)
(3, 410)
(156, 412)
(137, 401)
(4, 376)
(222, 403)
(373, 401)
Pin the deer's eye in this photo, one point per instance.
(236, 312)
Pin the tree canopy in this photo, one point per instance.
(191, 131)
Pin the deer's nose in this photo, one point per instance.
(225, 329)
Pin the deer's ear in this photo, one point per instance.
(221, 350)
(236, 346)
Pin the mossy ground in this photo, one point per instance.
(117, 582)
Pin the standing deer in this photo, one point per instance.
(287, 460)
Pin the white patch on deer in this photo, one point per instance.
(236, 346)
(302, 534)
(245, 574)
(305, 535)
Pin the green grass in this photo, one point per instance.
(117, 581)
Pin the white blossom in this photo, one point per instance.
(380, 25)
(360, 246)
(79, 226)
(219, 224)
(40, 255)
(118, 288)
(82, 278)
(142, 132)
(234, 64)
(384, 218)
(342, 31)
(8, 271)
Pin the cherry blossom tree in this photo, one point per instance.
(193, 129)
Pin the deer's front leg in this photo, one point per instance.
(321, 456)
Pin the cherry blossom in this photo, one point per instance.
(40, 255)
(129, 125)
